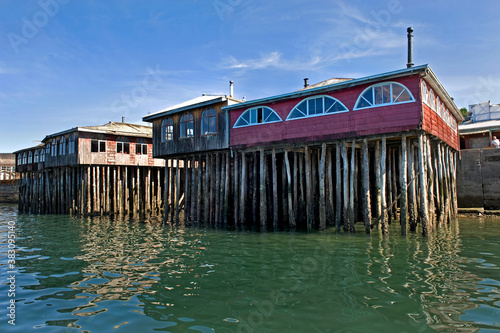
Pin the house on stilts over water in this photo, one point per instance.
(92, 170)
(377, 150)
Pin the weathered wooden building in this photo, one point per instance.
(373, 149)
(193, 138)
(106, 169)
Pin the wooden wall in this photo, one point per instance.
(199, 142)
(373, 121)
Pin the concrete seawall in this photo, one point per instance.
(9, 191)
(478, 178)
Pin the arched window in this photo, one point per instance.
(432, 99)
(316, 106)
(54, 148)
(19, 159)
(257, 115)
(425, 92)
(30, 157)
(209, 121)
(187, 126)
(62, 146)
(167, 129)
(71, 144)
(47, 149)
(25, 158)
(36, 159)
(382, 94)
(42, 155)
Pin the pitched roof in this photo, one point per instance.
(114, 128)
(197, 102)
(479, 127)
(325, 83)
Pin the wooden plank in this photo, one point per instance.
(346, 212)
(309, 198)
(338, 181)
(291, 213)
(263, 199)
(403, 165)
(424, 209)
(275, 189)
(383, 184)
(365, 183)
(322, 196)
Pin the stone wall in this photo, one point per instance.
(9, 191)
(478, 178)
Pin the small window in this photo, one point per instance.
(19, 159)
(42, 155)
(209, 122)
(258, 115)
(167, 129)
(141, 149)
(47, 149)
(383, 94)
(71, 144)
(123, 148)
(62, 146)
(97, 146)
(54, 148)
(187, 126)
(30, 157)
(25, 158)
(36, 158)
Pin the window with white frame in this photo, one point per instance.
(97, 146)
(30, 157)
(167, 129)
(54, 148)
(123, 148)
(25, 158)
(71, 144)
(209, 121)
(383, 94)
(317, 106)
(257, 115)
(187, 126)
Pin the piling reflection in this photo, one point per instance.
(97, 273)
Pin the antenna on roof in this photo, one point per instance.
(410, 47)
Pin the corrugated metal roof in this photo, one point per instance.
(115, 128)
(326, 83)
(190, 104)
(479, 127)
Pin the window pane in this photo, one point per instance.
(253, 116)
(138, 148)
(212, 125)
(396, 91)
(102, 146)
(126, 148)
(296, 113)
(94, 146)
(386, 91)
(119, 147)
(311, 107)
(144, 149)
(368, 98)
(272, 117)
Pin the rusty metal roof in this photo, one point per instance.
(203, 100)
(114, 128)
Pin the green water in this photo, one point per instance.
(105, 275)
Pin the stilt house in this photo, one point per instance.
(92, 170)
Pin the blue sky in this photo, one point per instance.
(68, 63)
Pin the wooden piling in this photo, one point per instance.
(365, 202)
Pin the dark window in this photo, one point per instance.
(209, 122)
(141, 149)
(187, 126)
(94, 146)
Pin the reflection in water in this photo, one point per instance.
(99, 274)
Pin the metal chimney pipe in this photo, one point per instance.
(123, 119)
(306, 82)
(231, 89)
(410, 47)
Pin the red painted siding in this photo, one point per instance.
(433, 124)
(378, 120)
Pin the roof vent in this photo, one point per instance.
(306, 82)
